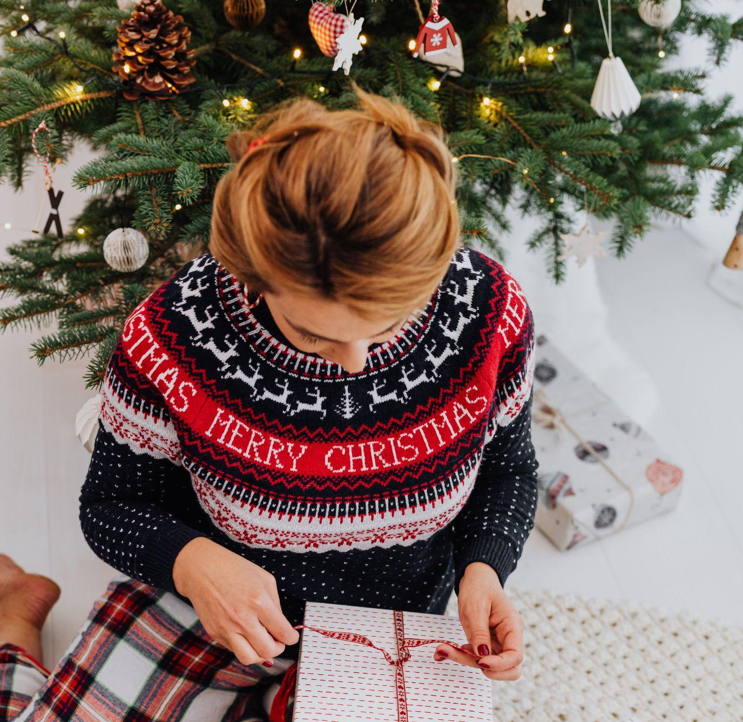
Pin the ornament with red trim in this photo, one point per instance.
(435, 34)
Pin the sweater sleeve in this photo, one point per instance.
(134, 468)
(499, 514)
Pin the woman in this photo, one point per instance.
(332, 404)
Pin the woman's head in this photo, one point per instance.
(352, 211)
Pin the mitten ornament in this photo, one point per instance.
(434, 34)
(153, 55)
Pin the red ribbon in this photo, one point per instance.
(404, 644)
(255, 143)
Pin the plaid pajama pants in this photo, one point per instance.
(141, 656)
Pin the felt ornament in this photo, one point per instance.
(585, 244)
(451, 58)
(525, 10)
(435, 36)
(348, 44)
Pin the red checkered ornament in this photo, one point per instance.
(326, 27)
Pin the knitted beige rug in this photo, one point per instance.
(592, 660)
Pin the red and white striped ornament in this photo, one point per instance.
(326, 27)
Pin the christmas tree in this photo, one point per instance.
(156, 89)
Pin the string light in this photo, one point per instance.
(127, 68)
(362, 39)
(486, 100)
(675, 95)
(245, 103)
(226, 103)
(297, 54)
(79, 89)
(7, 226)
(322, 89)
(522, 59)
(564, 152)
(411, 44)
(13, 33)
(178, 206)
(62, 34)
(567, 29)
(525, 171)
(80, 231)
(25, 18)
(661, 53)
(552, 200)
(551, 57)
(550, 49)
(454, 159)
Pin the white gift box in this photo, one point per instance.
(346, 680)
(599, 471)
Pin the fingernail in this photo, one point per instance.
(482, 665)
(483, 650)
(267, 664)
(439, 656)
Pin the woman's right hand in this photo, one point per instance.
(235, 600)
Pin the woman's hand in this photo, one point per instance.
(236, 601)
(493, 626)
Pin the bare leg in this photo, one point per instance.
(25, 602)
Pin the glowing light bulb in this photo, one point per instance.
(80, 231)
(178, 206)
(245, 103)
(25, 18)
(411, 45)
(525, 171)
(226, 103)
(661, 53)
(567, 29)
(297, 54)
(322, 89)
(127, 68)
(551, 56)
(486, 100)
(434, 84)
(62, 34)
(79, 88)
(675, 95)
(7, 225)
(362, 39)
(522, 59)
(552, 200)
(13, 33)
(550, 49)
(455, 159)
(564, 152)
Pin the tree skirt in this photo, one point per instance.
(593, 660)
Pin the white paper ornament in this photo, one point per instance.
(525, 10)
(348, 44)
(614, 95)
(86, 421)
(659, 14)
(126, 249)
(452, 58)
(584, 245)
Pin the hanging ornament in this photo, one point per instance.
(584, 245)
(734, 257)
(153, 58)
(126, 249)
(244, 14)
(86, 421)
(434, 36)
(614, 95)
(659, 14)
(348, 44)
(326, 27)
(55, 197)
(451, 58)
(525, 10)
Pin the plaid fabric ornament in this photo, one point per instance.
(326, 27)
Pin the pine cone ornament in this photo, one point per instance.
(153, 56)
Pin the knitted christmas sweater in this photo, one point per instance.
(375, 488)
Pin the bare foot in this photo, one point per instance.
(25, 602)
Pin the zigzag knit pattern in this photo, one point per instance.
(374, 488)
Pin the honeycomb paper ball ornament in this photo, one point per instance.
(126, 249)
(659, 14)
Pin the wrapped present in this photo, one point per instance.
(600, 472)
(376, 665)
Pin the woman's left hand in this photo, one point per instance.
(493, 626)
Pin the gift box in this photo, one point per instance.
(599, 471)
(377, 665)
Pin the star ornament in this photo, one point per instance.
(584, 245)
(348, 44)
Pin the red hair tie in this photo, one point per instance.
(255, 143)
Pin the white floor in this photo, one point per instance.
(688, 341)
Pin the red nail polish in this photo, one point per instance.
(267, 663)
(483, 650)
(482, 665)
(439, 656)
